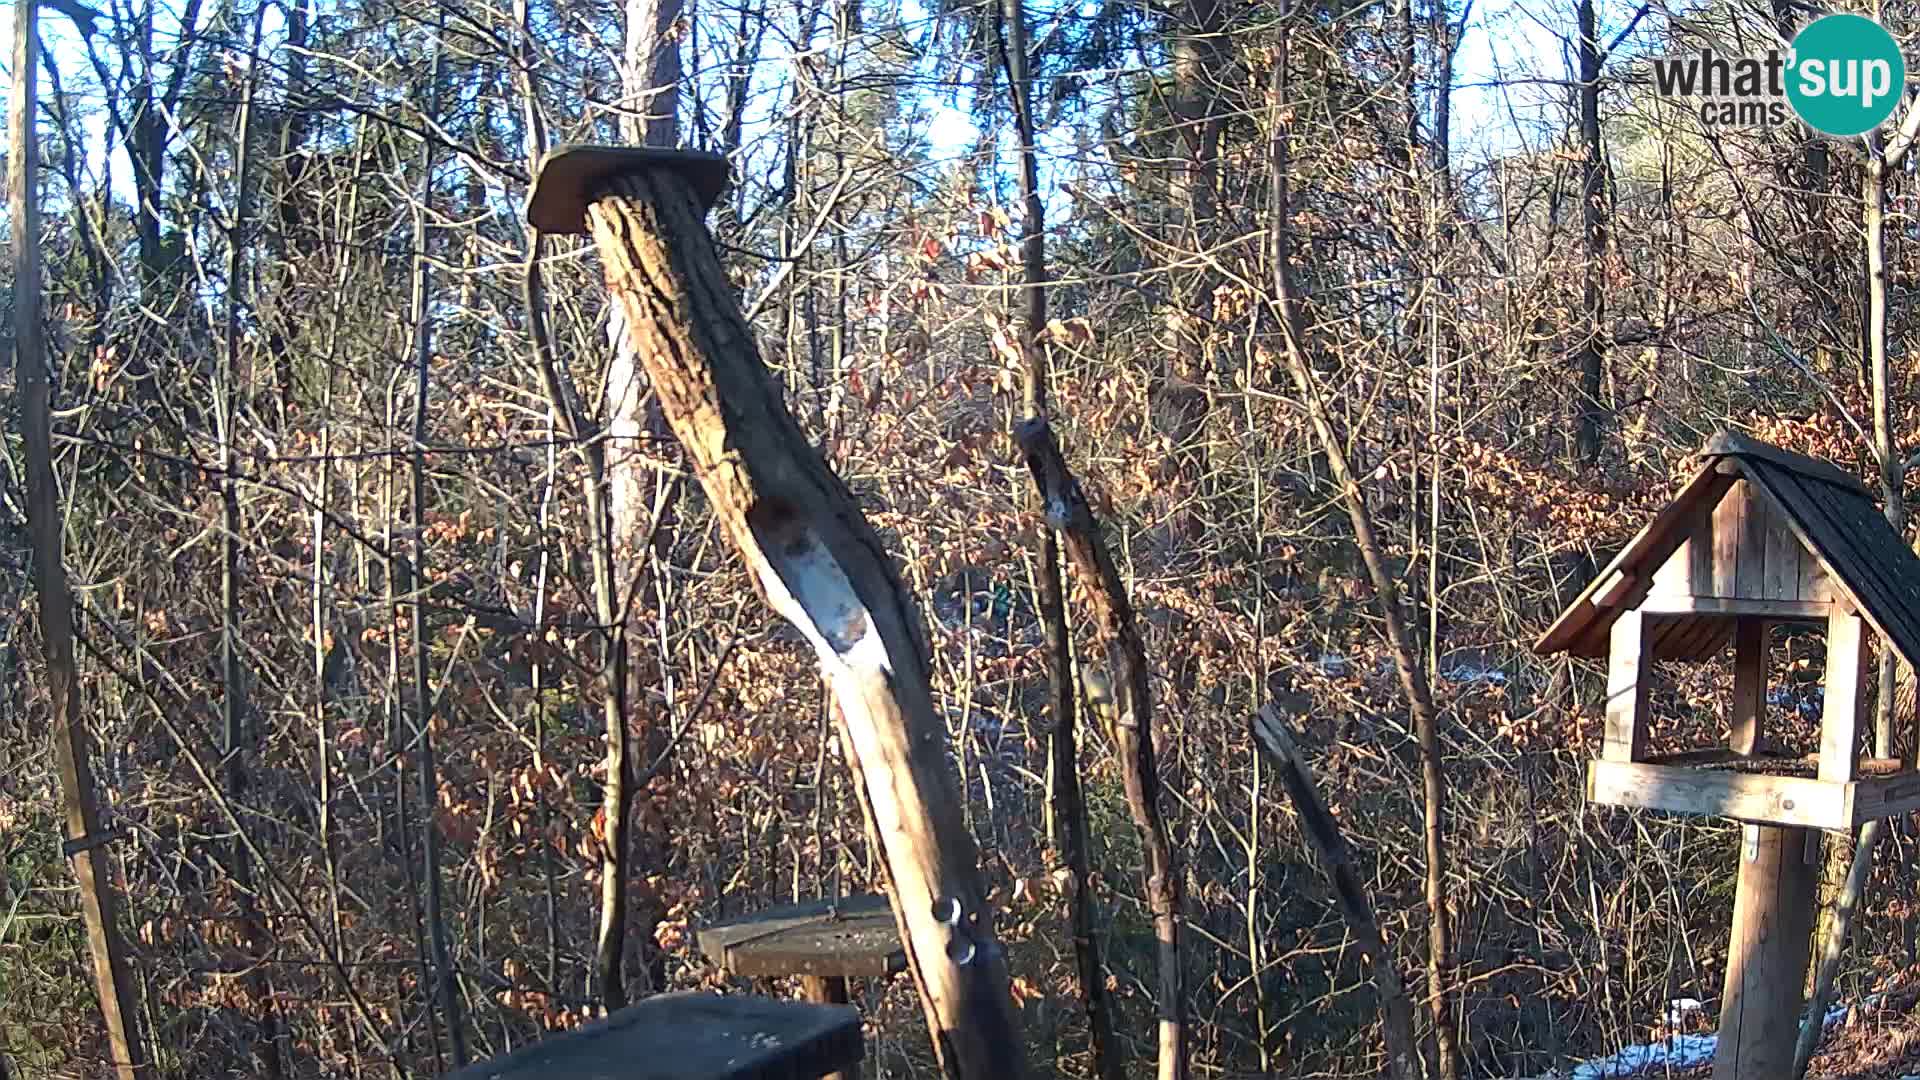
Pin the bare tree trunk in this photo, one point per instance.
(637, 503)
(1873, 199)
(444, 984)
(1068, 807)
(1586, 440)
(1834, 950)
(99, 903)
(1892, 479)
(1131, 710)
(1407, 662)
(233, 689)
(818, 563)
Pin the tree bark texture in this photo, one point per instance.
(99, 903)
(1593, 230)
(1125, 656)
(1323, 832)
(819, 564)
(1068, 806)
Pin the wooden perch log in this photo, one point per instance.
(1270, 734)
(814, 559)
(1066, 511)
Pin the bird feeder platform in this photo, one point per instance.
(692, 1036)
(1757, 537)
(855, 937)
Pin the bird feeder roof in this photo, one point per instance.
(1828, 512)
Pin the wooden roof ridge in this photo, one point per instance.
(1829, 511)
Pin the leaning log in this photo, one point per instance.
(1270, 734)
(813, 558)
(1130, 708)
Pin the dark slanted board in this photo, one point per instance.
(692, 1036)
(855, 937)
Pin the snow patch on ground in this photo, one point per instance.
(1678, 1052)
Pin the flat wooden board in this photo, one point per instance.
(855, 937)
(1709, 788)
(692, 1036)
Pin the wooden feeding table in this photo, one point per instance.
(1758, 536)
(692, 1036)
(825, 942)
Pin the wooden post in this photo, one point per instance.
(1749, 685)
(86, 842)
(813, 557)
(1629, 666)
(827, 990)
(1844, 699)
(1767, 959)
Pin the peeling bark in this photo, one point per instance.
(819, 564)
(1068, 514)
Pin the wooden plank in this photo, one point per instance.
(1727, 534)
(1767, 955)
(1715, 641)
(1680, 644)
(692, 1036)
(1665, 630)
(1696, 758)
(1674, 577)
(1629, 670)
(1702, 639)
(1778, 610)
(1782, 579)
(1749, 685)
(1751, 571)
(1845, 696)
(1814, 583)
(1616, 587)
(1679, 789)
(1700, 556)
(1885, 796)
(855, 936)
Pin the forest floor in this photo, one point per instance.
(1880, 1041)
(1876, 1039)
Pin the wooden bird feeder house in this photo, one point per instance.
(1758, 536)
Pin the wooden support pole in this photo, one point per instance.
(827, 990)
(813, 557)
(1629, 667)
(1767, 958)
(1845, 695)
(99, 900)
(1749, 685)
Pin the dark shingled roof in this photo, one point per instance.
(1830, 512)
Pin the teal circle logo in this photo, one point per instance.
(1845, 74)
